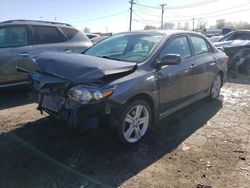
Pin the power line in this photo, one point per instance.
(192, 5)
(214, 12)
(201, 3)
(146, 13)
(213, 16)
(147, 23)
(103, 17)
(147, 6)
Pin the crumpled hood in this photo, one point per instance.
(79, 68)
(232, 43)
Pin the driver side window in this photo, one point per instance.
(177, 45)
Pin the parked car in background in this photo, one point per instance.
(22, 40)
(234, 35)
(224, 31)
(131, 79)
(236, 45)
(92, 35)
(98, 39)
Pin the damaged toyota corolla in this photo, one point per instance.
(130, 79)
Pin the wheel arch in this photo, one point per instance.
(148, 99)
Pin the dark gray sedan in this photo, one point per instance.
(130, 79)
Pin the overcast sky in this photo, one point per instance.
(113, 15)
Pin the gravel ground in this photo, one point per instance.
(203, 145)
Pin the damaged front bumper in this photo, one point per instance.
(52, 98)
(73, 114)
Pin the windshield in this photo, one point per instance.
(236, 36)
(126, 47)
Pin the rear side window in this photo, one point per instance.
(13, 36)
(69, 32)
(47, 35)
(200, 45)
(177, 45)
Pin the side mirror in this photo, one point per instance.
(169, 59)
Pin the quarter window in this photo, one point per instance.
(69, 32)
(178, 45)
(200, 45)
(13, 36)
(47, 35)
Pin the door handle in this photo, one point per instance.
(24, 54)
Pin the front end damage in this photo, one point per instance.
(53, 98)
(68, 98)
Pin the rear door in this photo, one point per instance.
(14, 51)
(173, 80)
(49, 39)
(205, 59)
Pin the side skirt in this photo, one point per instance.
(13, 84)
(184, 104)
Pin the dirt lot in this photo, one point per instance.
(205, 144)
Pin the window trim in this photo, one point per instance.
(58, 30)
(209, 46)
(176, 36)
(28, 36)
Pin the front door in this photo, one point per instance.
(14, 51)
(172, 78)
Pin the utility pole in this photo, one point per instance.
(162, 12)
(193, 23)
(131, 11)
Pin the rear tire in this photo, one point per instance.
(133, 122)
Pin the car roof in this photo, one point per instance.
(34, 22)
(164, 32)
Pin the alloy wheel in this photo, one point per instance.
(135, 123)
(215, 91)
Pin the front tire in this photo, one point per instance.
(134, 122)
(215, 88)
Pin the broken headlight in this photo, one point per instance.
(84, 95)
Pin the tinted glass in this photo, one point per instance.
(236, 36)
(178, 45)
(240, 36)
(200, 45)
(69, 32)
(91, 36)
(47, 35)
(13, 36)
(131, 48)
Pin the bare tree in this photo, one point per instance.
(86, 30)
(179, 26)
(201, 23)
(168, 25)
(241, 25)
(220, 23)
(149, 27)
(186, 26)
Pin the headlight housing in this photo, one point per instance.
(84, 94)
